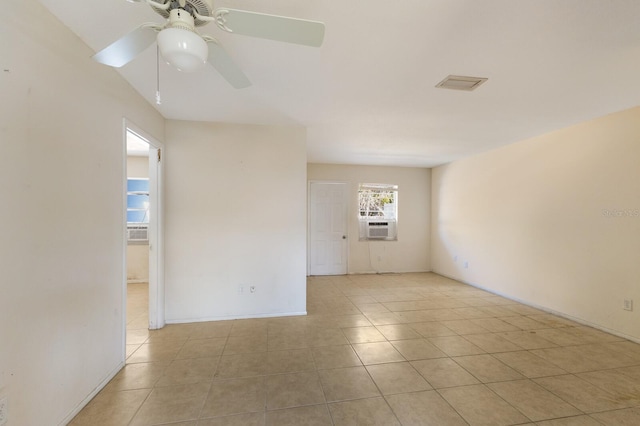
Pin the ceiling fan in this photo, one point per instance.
(187, 50)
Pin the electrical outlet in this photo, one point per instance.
(4, 411)
(240, 289)
(628, 305)
(252, 289)
(466, 265)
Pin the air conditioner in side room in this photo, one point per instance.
(137, 233)
(378, 229)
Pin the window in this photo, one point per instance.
(137, 209)
(378, 211)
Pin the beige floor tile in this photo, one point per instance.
(317, 337)
(137, 376)
(384, 318)
(479, 406)
(494, 325)
(136, 337)
(293, 390)
(347, 321)
(363, 334)
(290, 361)
(243, 365)
(581, 394)
(630, 349)
(347, 383)
(487, 368)
(157, 351)
(247, 419)
(492, 343)
(471, 313)
(388, 318)
(561, 337)
(362, 300)
(372, 308)
(605, 354)
(172, 332)
(527, 339)
(529, 365)
(130, 349)
(363, 412)
(533, 400)
(443, 372)
(283, 342)
(172, 404)
(570, 359)
(249, 327)
(315, 415)
(424, 409)
(211, 330)
(202, 348)
(621, 386)
(571, 421)
(377, 353)
(188, 371)
(524, 323)
(397, 377)
(111, 408)
(592, 335)
(432, 329)
(464, 326)
(398, 332)
(417, 349)
(629, 416)
(335, 357)
(455, 345)
(245, 344)
(236, 396)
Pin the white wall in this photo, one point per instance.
(61, 216)
(411, 253)
(235, 198)
(530, 219)
(138, 254)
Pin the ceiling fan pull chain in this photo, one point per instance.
(158, 100)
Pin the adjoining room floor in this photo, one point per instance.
(402, 349)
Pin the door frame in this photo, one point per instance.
(156, 227)
(346, 199)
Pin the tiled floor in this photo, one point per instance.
(409, 349)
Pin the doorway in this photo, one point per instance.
(328, 211)
(144, 261)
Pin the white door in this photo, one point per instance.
(327, 228)
(156, 258)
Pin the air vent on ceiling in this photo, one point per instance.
(458, 82)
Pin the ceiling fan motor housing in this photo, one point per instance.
(202, 7)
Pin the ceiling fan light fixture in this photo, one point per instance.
(183, 49)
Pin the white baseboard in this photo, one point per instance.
(93, 393)
(236, 317)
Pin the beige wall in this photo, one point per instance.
(138, 254)
(61, 221)
(235, 198)
(411, 252)
(137, 166)
(531, 219)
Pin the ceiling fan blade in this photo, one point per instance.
(272, 27)
(123, 50)
(223, 63)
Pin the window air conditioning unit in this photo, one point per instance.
(137, 233)
(378, 230)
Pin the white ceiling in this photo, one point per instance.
(368, 95)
